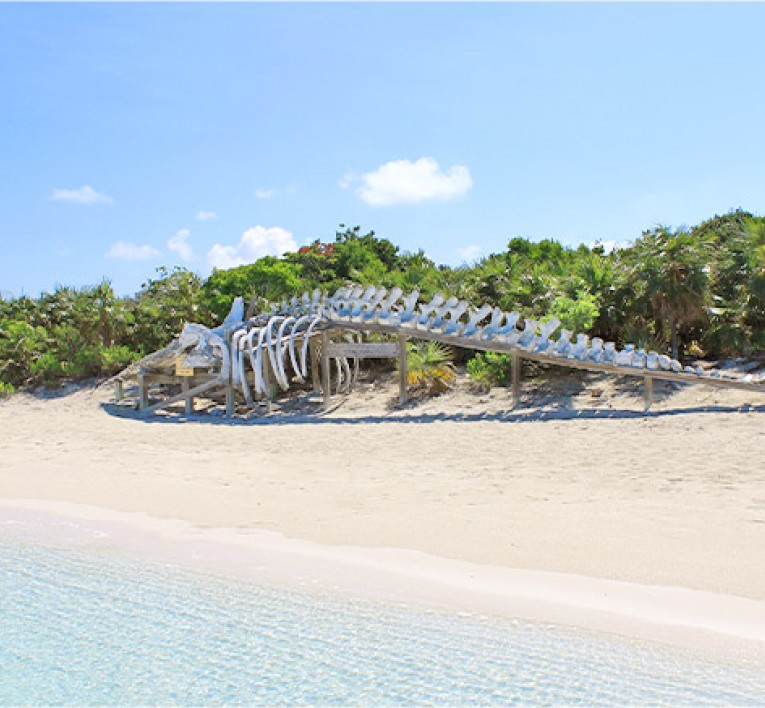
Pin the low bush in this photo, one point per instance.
(488, 369)
(429, 367)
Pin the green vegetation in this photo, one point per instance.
(688, 290)
(429, 367)
(487, 369)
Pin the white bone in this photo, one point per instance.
(596, 352)
(511, 320)
(529, 333)
(281, 373)
(452, 324)
(493, 327)
(474, 318)
(371, 311)
(383, 314)
(294, 332)
(407, 315)
(425, 310)
(638, 359)
(563, 345)
(304, 350)
(547, 328)
(361, 303)
(437, 321)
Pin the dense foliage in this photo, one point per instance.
(694, 291)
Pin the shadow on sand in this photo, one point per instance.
(408, 415)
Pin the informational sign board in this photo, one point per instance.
(182, 370)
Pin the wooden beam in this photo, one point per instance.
(119, 390)
(364, 350)
(181, 396)
(484, 345)
(403, 371)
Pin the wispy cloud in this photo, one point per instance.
(123, 250)
(468, 254)
(179, 244)
(256, 242)
(404, 181)
(206, 215)
(84, 195)
(266, 194)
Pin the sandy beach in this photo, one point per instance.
(575, 481)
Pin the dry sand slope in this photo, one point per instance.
(577, 480)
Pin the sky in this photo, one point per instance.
(134, 136)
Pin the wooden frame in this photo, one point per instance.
(362, 350)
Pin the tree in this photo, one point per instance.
(676, 278)
(267, 279)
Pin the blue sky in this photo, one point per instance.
(139, 135)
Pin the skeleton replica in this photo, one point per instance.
(281, 345)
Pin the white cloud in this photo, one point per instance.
(256, 242)
(265, 193)
(468, 254)
(206, 215)
(132, 252)
(403, 181)
(180, 244)
(84, 195)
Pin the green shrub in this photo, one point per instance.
(47, 369)
(577, 315)
(488, 369)
(429, 367)
(114, 359)
(6, 389)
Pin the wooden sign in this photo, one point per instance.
(363, 350)
(182, 370)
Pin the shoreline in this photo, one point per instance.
(723, 625)
(579, 487)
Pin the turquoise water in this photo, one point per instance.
(81, 628)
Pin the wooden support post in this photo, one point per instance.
(313, 347)
(515, 364)
(119, 390)
(325, 368)
(648, 391)
(188, 400)
(267, 381)
(402, 370)
(229, 401)
(143, 392)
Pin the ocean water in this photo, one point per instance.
(77, 627)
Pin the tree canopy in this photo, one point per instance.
(689, 290)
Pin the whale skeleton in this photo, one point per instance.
(276, 344)
(458, 323)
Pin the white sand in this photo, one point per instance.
(577, 483)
